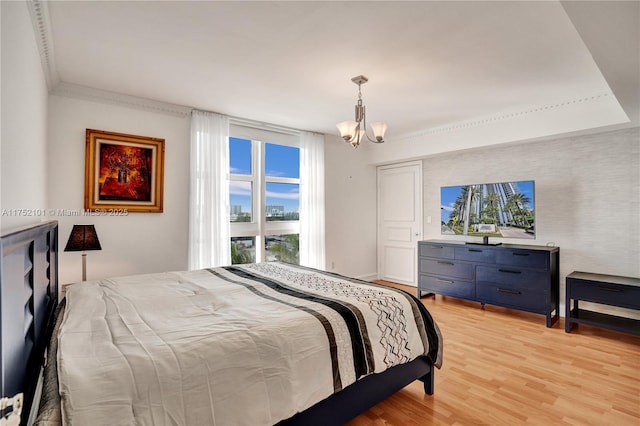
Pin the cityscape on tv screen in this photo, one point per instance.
(502, 210)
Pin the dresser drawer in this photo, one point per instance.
(514, 278)
(524, 258)
(476, 254)
(448, 268)
(435, 250)
(606, 293)
(448, 286)
(522, 298)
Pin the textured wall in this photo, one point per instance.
(587, 195)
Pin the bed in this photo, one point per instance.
(264, 343)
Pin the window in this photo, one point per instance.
(243, 250)
(284, 248)
(240, 184)
(264, 200)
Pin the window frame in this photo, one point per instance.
(259, 227)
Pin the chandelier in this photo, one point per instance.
(355, 131)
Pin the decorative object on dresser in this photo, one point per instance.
(519, 277)
(612, 290)
(83, 238)
(123, 173)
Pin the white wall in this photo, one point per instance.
(587, 195)
(147, 242)
(350, 210)
(24, 120)
(139, 242)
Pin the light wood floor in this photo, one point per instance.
(504, 367)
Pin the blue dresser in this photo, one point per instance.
(519, 277)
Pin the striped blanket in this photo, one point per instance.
(241, 345)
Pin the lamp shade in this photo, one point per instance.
(379, 130)
(347, 129)
(83, 238)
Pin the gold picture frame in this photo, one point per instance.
(123, 173)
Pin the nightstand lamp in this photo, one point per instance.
(83, 238)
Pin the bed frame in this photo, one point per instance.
(357, 398)
(28, 298)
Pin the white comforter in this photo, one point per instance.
(217, 347)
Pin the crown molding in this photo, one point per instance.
(97, 95)
(41, 21)
(492, 119)
(589, 112)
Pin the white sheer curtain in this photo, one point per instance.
(209, 234)
(312, 243)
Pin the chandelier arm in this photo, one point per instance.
(373, 140)
(354, 139)
(366, 133)
(357, 136)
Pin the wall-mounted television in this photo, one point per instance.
(500, 210)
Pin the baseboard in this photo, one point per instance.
(367, 277)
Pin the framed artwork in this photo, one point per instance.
(123, 173)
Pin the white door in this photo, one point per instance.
(399, 221)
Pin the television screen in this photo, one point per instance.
(502, 210)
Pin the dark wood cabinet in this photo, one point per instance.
(520, 277)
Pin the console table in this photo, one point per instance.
(523, 277)
(609, 290)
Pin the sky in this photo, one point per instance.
(281, 161)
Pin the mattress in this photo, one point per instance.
(241, 345)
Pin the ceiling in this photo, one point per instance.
(429, 64)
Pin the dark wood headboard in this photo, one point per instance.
(28, 297)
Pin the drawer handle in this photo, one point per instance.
(445, 281)
(520, 254)
(505, 290)
(509, 271)
(475, 250)
(613, 290)
(445, 263)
